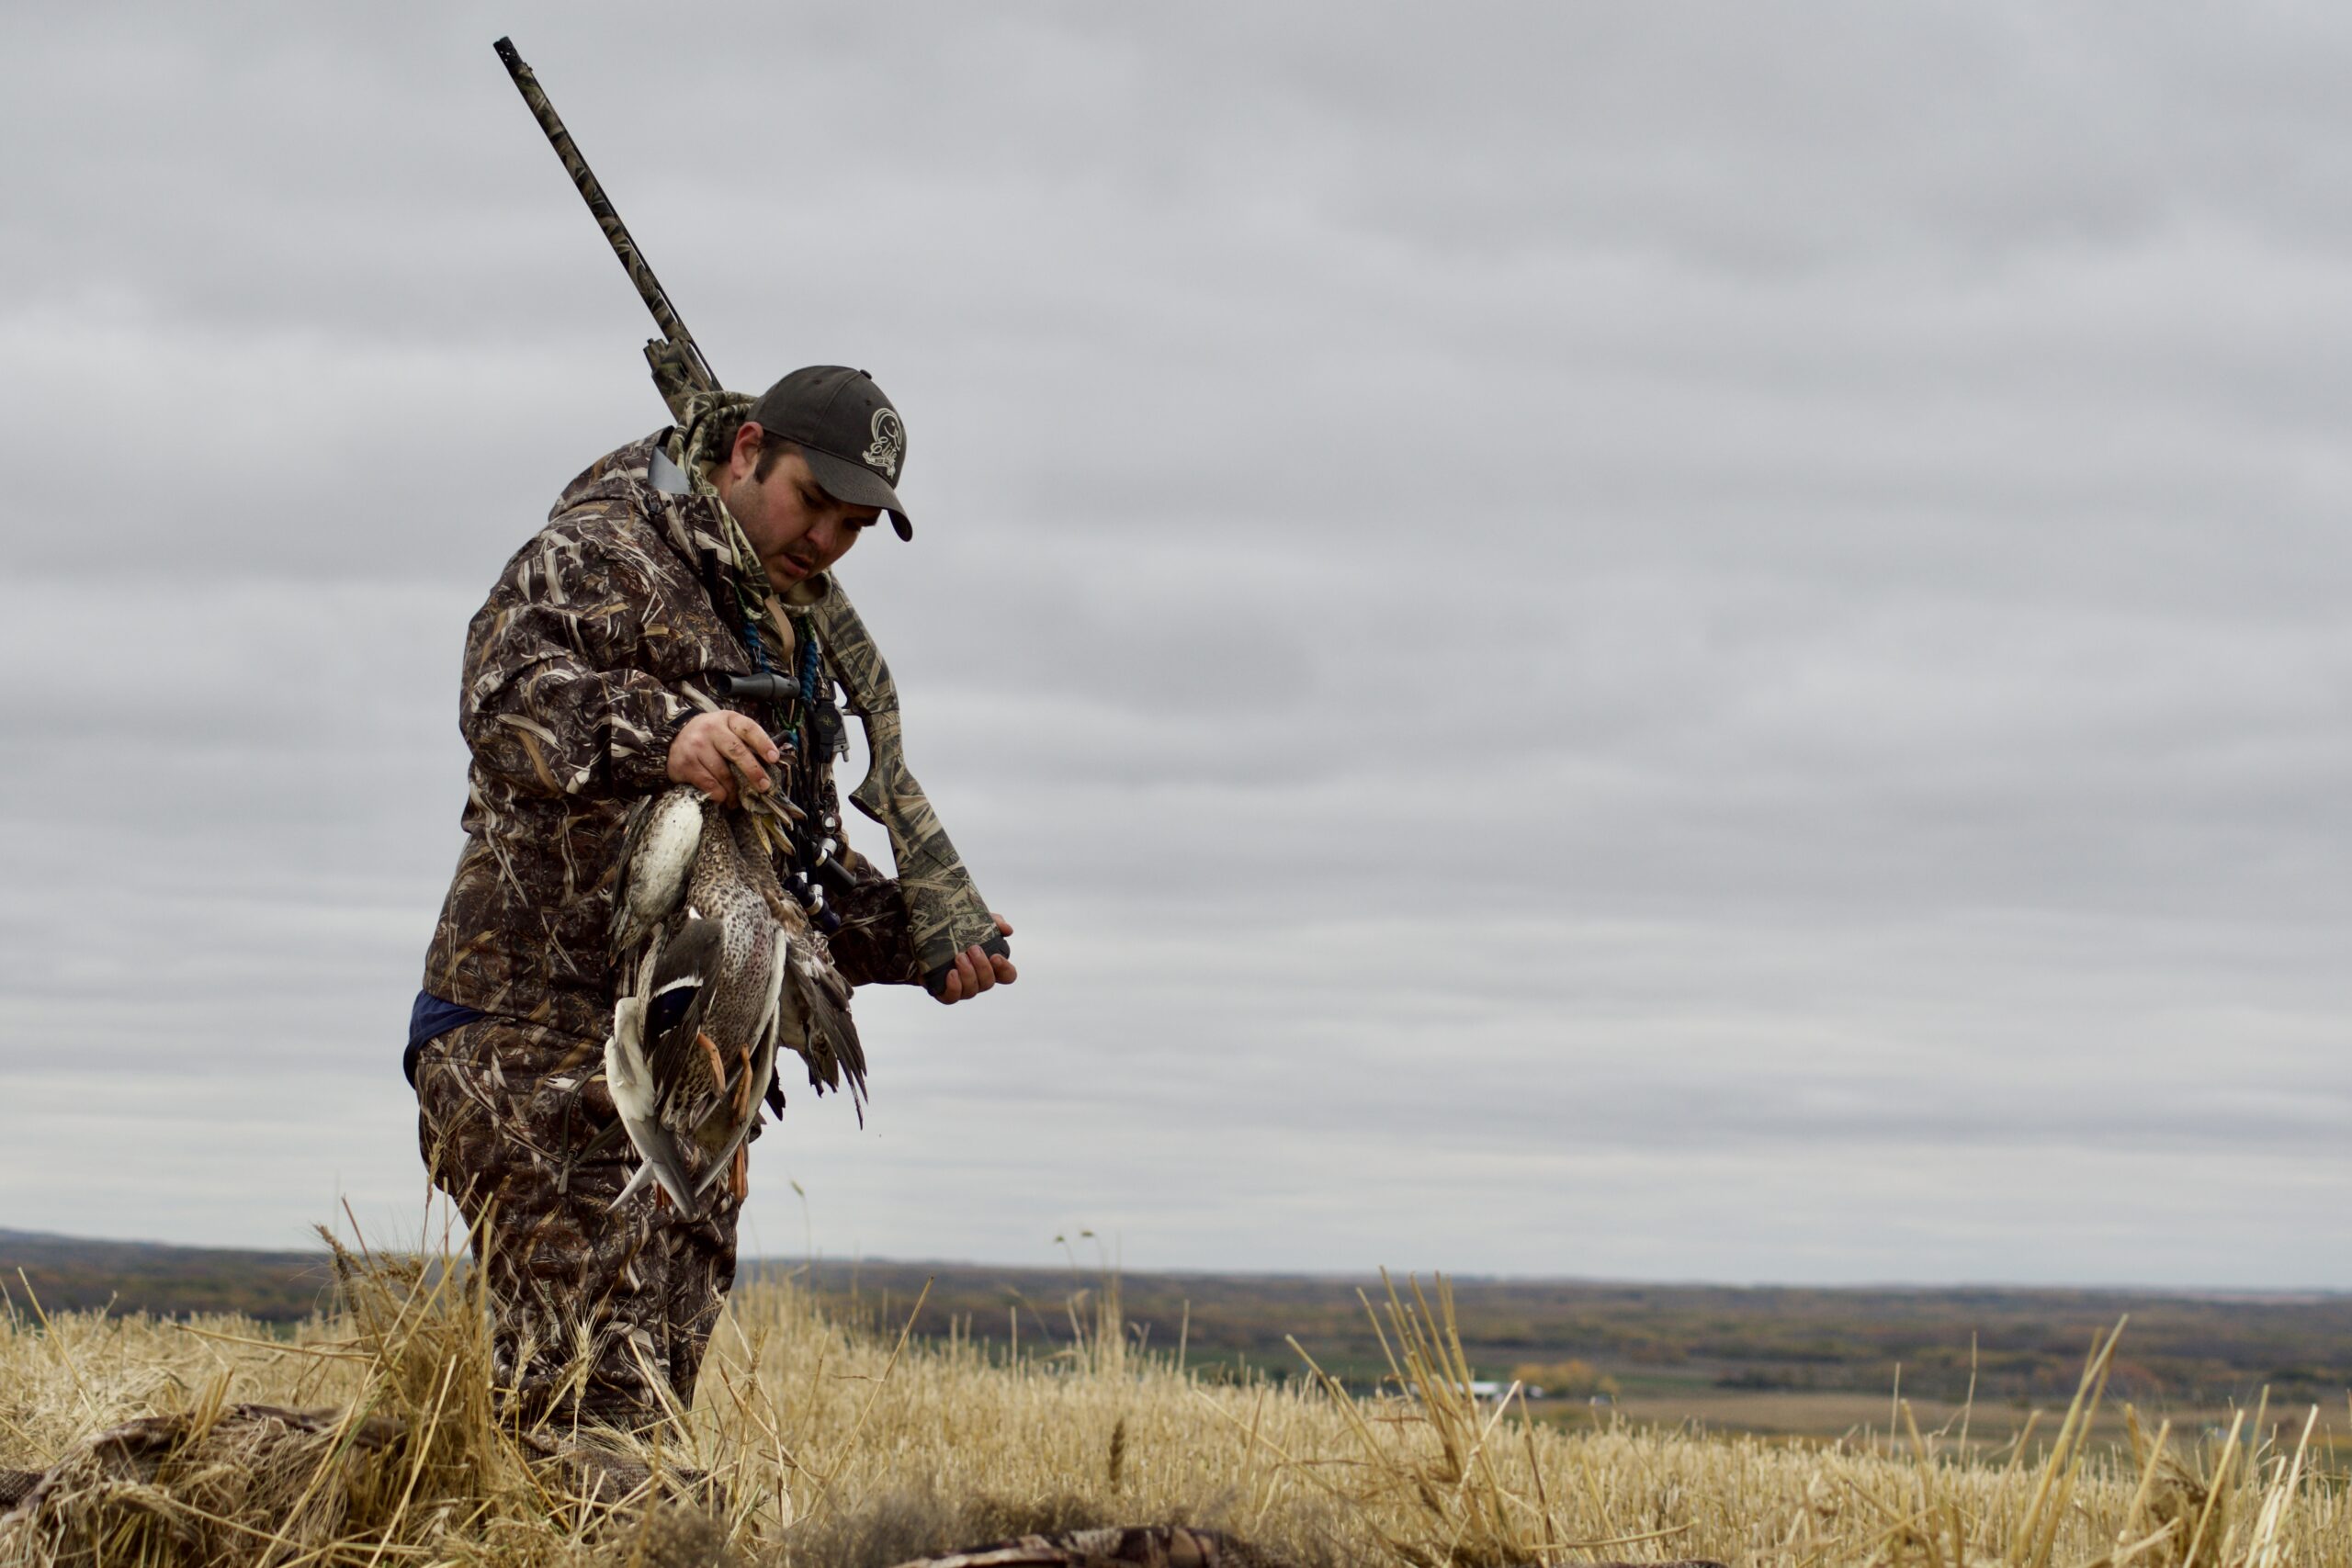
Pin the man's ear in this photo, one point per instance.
(745, 457)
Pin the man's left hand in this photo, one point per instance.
(978, 970)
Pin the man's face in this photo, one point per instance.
(796, 526)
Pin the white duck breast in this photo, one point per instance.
(657, 854)
(630, 1079)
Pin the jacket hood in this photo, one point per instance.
(623, 474)
(625, 477)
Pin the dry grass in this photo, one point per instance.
(836, 1446)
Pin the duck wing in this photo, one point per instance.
(678, 996)
(826, 1036)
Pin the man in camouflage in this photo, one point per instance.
(591, 679)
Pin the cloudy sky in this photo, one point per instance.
(1666, 641)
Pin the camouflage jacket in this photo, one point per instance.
(577, 671)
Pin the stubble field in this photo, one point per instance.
(839, 1444)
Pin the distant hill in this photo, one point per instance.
(2019, 1342)
(74, 1274)
(2015, 1343)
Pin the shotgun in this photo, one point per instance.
(946, 911)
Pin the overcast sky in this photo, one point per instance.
(1666, 641)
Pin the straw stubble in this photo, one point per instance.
(368, 1437)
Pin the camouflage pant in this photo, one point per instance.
(596, 1307)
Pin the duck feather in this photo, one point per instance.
(723, 972)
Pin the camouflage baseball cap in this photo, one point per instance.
(853, 437)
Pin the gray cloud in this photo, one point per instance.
(1692, 643)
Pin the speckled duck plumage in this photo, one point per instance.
(723, 972)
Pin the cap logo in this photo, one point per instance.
(889, 442)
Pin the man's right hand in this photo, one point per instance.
(708, 742)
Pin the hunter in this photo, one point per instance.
(589, 682)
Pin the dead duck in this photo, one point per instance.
(722, 971)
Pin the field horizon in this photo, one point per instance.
(2218, 1293)
(1796, 1361)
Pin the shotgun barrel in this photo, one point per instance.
(696, 371)
(944, 910)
